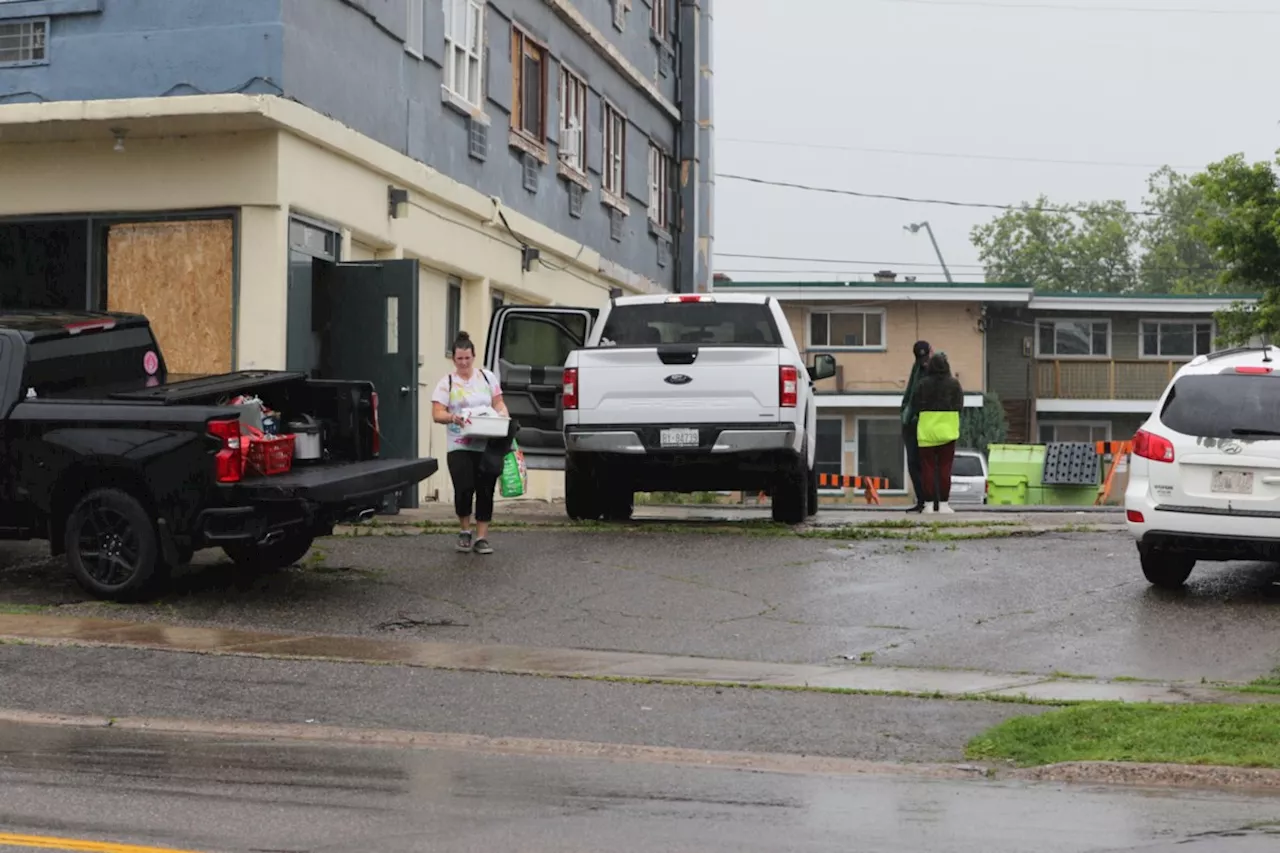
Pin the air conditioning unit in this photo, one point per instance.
(570, 142)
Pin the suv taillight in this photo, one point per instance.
(229, 460)
(788, 386)
(571, 388)
(1148, 445)
(377, 427)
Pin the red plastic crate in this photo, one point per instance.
(270, 454)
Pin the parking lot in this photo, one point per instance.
(1066, 597)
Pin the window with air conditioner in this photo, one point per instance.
(573, 121)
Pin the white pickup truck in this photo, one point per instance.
(676, 393)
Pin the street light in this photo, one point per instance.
(914, 228)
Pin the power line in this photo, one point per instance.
(1072, 7)
(949, 155)
(909, 199)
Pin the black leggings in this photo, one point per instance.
(469, 483)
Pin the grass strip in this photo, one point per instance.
(1225, 735)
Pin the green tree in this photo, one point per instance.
(980, 428)
(1239, 220)
(1175, 256)
(1092, 250)
(1102, 247)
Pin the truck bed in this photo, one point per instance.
(338, 483)
(225, 384)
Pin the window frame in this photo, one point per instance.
(525, 45)
(1042, 321)
(415, 28)
(571, 79)
(451, 48)
(452, 314)
(660, 187)
(1054, 424)
(660, 20)
(866, 312)
(1163, 321)
(840, 418)
(857, 453)
(45, 25)
(614, 161)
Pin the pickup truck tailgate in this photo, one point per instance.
(338, 484)
(678, 383)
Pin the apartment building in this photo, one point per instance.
(339, 186)
(1091, 367)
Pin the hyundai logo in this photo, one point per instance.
(678, 379)
(1231, 447)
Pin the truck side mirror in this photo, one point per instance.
(824, 367)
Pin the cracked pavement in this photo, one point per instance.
(1061, 602)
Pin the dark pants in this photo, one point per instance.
(935, 471)
(913, 460)
(471, 482)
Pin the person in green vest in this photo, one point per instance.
(938, 401)
(920, 351)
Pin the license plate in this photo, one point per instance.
(1232, 482)
(679, 437)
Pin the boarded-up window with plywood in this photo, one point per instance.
(178, 274)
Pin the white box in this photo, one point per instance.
(486, 426)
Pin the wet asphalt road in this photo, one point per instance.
(1074, 603)
(205, 794)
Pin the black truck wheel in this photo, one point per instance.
(1164, 569)
(813, 491)
(581, 497)
(791, 495)
(112, 546)
(280, 554)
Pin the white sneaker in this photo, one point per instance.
(928, 510)
(945, 507)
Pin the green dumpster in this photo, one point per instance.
(1006, 489)
(1018, 460)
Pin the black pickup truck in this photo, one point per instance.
(129, 474)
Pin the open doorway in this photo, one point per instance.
(44, 264)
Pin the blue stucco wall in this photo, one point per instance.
(395, 97)
(346, 59)
(147, 48)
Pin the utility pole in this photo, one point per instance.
(914, 228)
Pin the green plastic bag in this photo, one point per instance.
(513, 481)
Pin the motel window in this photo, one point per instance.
(529, 69)
(615, 151)
(847, 329)
(1073, 338)
(24, 42)
(829, 457)
(573, 121)
(658, 19)
(881, 451)
(659, 188)
(463, 49)
(1176, 338)
(1086, 431)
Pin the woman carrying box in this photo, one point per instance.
(465, 389)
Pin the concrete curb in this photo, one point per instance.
(598, 665)
(1076, 773)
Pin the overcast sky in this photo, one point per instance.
(994, 85)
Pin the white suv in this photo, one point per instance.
(1204, 479)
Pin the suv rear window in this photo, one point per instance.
(705, 323)
(966, 466)
(1227, 405)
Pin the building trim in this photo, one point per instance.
(223, 113)
(854, 293)
(1137, 304)
(606, 48)
(878, 401)
(1097, 407)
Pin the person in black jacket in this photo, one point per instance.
(938, 402)
(920, 352)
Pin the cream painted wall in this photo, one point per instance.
(227, 170)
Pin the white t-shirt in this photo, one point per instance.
(457, 395)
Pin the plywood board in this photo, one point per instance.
(179, 274)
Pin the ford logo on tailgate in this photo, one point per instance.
(678, 379)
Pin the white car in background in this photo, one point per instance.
(969, 478)
(1204, 478)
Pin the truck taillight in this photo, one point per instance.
(571, 388)
(229, 460)
(377, 427)
(788, 386)
(1148, 445)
